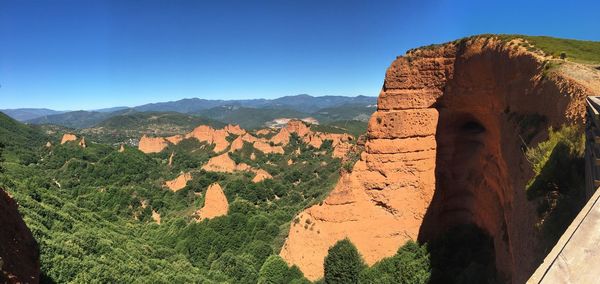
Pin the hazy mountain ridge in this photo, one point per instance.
(248, 113)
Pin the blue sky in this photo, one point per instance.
(79, 54)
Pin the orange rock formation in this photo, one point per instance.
(82, 142)
(261, 175)
(234, 129)
(443, 149)
(68, 137)
(215, 203)
(237, 144)
(179, 182)
(152, 144)
(203, 133)
(18, 249)
(266, 148)
(222, 163)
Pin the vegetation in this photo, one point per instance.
(276, 271)
(352, 127)
(411, 264)
(343, 263)
(558, 183)
(580, 51)
(91, 209)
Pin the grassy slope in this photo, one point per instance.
(580, 51)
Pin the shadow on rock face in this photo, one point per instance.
(464, 254)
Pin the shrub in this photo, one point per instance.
(273, 271)
(410, 265)
(343, 263)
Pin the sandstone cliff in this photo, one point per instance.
(68, 137)
(444, 149)
(19, 258)
(179, 182)
(152, 144)
(215, 203)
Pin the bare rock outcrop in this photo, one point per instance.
(68, 137)
(222, 163)
(267, 148)
(179, 182)
(215, 203)
(19, 257)
(207, 134)
(156, 216)
(443, 149)
(236, 144)
(234, 129)
(261, 175)
(82, 142)
(152, 144)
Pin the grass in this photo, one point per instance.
(352, 127)
(558, 184)
(580, 51)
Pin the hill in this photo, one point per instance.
(359, 112)
(249, 118)
(76, 119)
(133, 125)
(19, 140)
(247, 113)
(24, 114)
(300, 103)
(121, 221)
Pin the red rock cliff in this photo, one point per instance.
(19, 258)
(443, 149)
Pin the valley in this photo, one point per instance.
(467, 168)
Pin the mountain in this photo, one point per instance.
(77, 119)
(360, 112)
(141, 120)
(307, 103)
(133, 125)
(111, 109)
(301, 103)
(248, 113)
(24, 114)
(249, 118)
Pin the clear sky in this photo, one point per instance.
(79, 54)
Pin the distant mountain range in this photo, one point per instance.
(248, 113)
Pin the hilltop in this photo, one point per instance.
(248, 113)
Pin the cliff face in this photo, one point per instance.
(444, 149)
(19, 258)
(215, 203)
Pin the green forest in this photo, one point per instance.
(90, 209)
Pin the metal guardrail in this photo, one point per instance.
(592, 145)
(574, 258)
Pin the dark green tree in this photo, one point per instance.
(273, 271)
(343, 263)
(410, 265)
